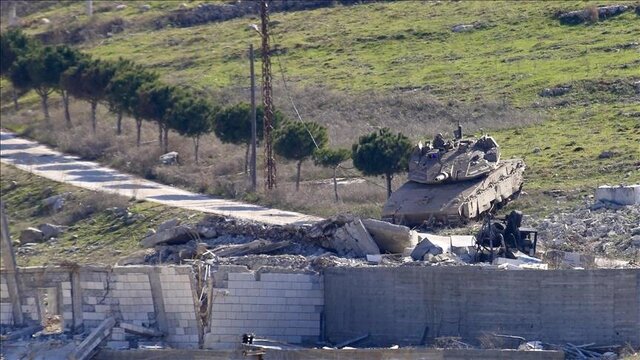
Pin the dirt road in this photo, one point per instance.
(43, 161)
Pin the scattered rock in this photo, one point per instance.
(50, 231)
(607, 154)
(31, 235)
(536, 150)
(462, 28)
(121, 7)
(145, 7)
(170, 158)
(591, 14)
(55, 203)
(45, 21)
(555, 91)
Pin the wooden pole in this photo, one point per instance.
(254, 135)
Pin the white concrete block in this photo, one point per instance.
(623, 195)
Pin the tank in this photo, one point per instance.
(453, 181)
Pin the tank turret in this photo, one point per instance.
(453, 180)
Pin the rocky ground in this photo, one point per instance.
(606, 230)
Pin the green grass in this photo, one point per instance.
(100, 237)
(519, 50)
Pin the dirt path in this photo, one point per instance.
(43, 161)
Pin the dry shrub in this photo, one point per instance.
(82, 207)
(592, 14)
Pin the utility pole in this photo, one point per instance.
(13, 17)
(254, 134)
(267, 98)
(10, 267)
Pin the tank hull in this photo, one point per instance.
(453, 202)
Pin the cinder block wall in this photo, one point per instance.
(403, 305)
(6, 313)
(161, 297)
(279, 306)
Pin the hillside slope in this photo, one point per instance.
(399, 64)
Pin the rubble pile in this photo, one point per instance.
(607, 230)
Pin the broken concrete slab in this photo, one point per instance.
(353, 239)
(140, 330)
(173, 236)
(86, 347)
(423, 248)
(49, 230)
(622, 195)
(390, 237)
(259, 246)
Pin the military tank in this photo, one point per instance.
(455, 180)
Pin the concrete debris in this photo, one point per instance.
(604, 231)
(31, 235)
(85, 349)
(140, 330)
(621, 195)
(138, 257)
(255, 247)
(50, 231)
(353, 240)
(389, 237)
(559, 259)
(167, 225)
(170, 158)
(425, 247)
(21, 333)
(176, 235)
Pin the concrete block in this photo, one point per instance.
(118, 345)
(242, 277)
(622, 195)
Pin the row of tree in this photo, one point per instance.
(130, 89)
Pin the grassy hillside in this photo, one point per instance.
(96, 233)
(398, 64)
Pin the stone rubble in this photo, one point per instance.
(601, 229)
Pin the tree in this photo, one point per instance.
(89, 80)
(154, 104)
(192, 117)
(382, 153)
(331, 158)
(13, 44)
(41, 68)
(295, 141)
(122, 92)
(233, 125)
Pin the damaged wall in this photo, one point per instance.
(160, 297)
(284, 306)
(403, 305)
